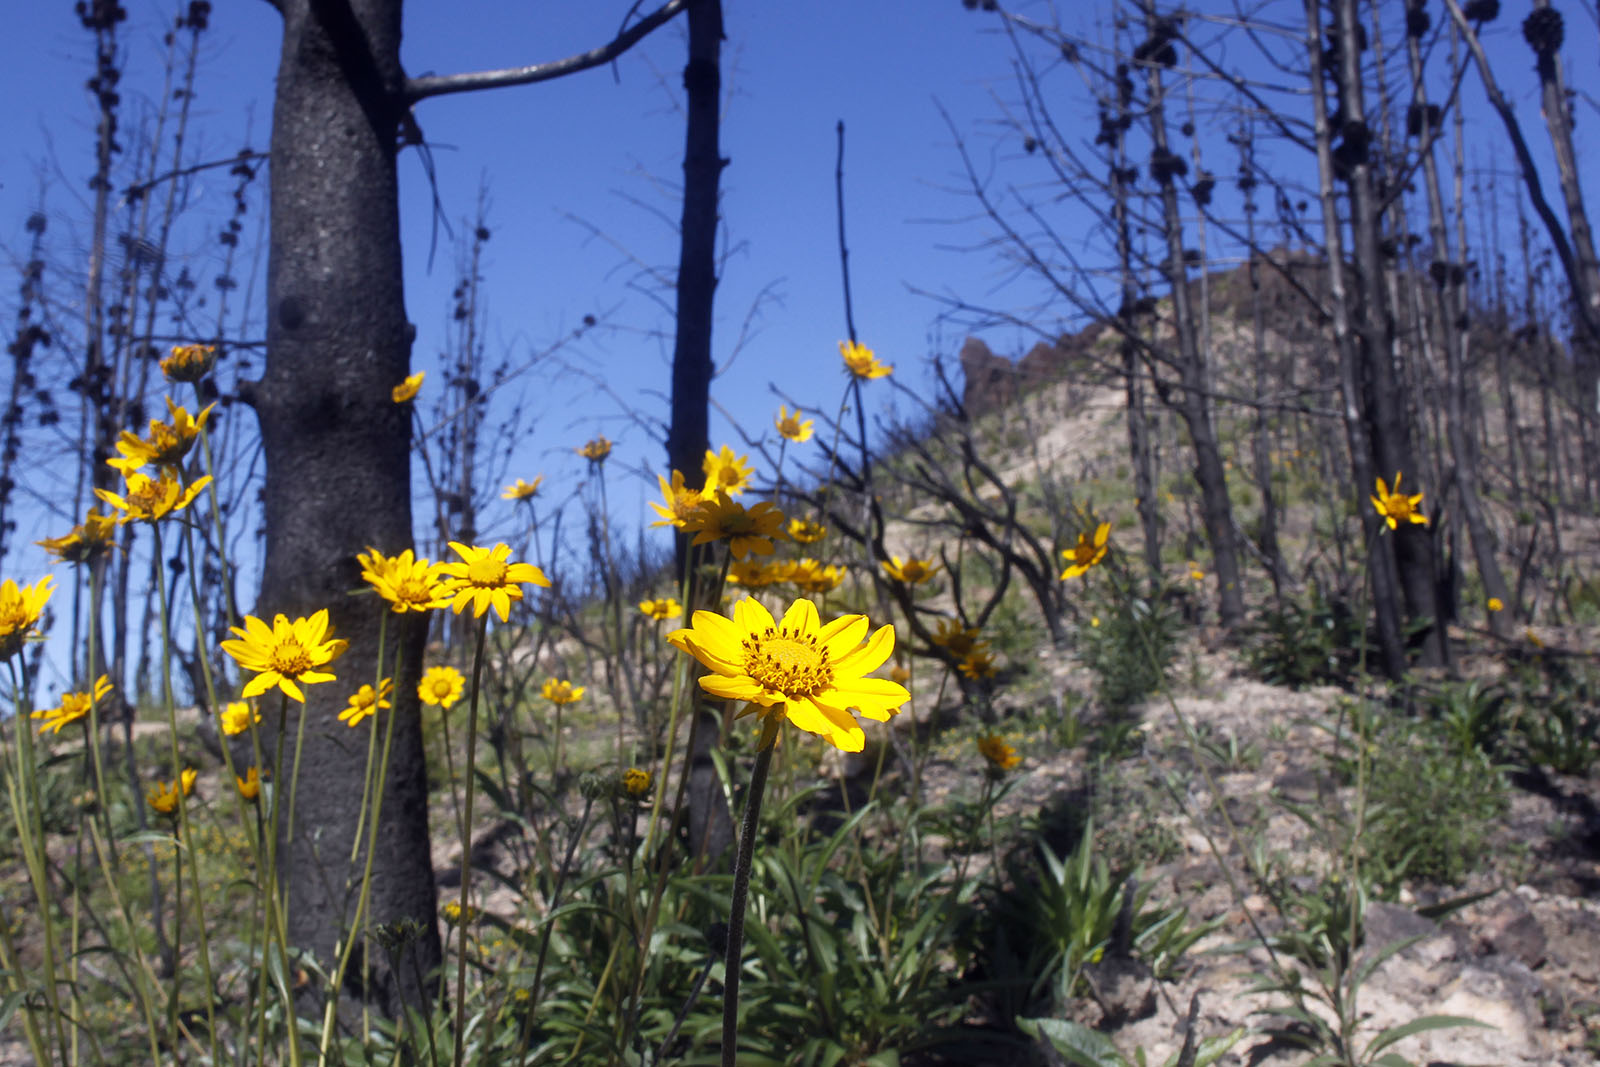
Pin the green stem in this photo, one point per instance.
(466, 846)
(734, 959)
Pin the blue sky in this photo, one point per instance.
(581, 173)
(600, 153)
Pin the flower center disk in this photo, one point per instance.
(289, 659)
(486, 573)
(787, 661)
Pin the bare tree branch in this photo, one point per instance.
(438, 85)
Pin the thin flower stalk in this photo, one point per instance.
(466, 843)
(734, 958)
(185, 829)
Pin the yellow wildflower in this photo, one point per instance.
(678, 501)
(74, 706)
(597, 450)
(860, 361)
(441, 686)
(561, 691)
(1001, 756)
(726, 471)
(747, 531)
(250, 784)
(790, 426)
(151, 499)
(407, 583)
(20, 608)
(1089, 550)
(812, 577)
(977, 664)
(659, 610)
(805, 532)
(958, 640)
(1397, 507)
(1496, 604)
(189, 363)
(910, 571)
(167, 444)
(521, 490)
(408, 389)
(86, 542)
(797, 668)
(164, 796)
(366, 702)
(237, 717)
(285, 654)
(484, 578)
(636, 782)
(756, 575)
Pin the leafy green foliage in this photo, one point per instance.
(1418, 767)
(1131, 650)
(1314, 640)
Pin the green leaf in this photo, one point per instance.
(1417, 1026)
(1081, 1046)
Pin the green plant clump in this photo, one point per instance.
(1434, 804)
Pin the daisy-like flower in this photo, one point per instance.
(451, 911)
(167, 445)
(164, 796)
(250, 784)
(977, 664)
(747, 531)
(753, 574)
(86, 542)
(1397, 507)
(1090, 550)
(152, 499)
(811, 576)
(662, 609)
(958, 640)
(486, 578)
(797, 668)
(408, 389)
(237, 717)
(406, 582)
(285, 654)
(1196, 573)
(561, 691)
(74, 706)
(678, 501)
(792, 427)
(635, 782)
(1001, 756)
(726, 471)
(189, 363)
(806, 532)
(910, 571)
(441, 687)
(365, 702)
(20, 608)
(860, 361)
(597, 450)
(1496, 604)
(521, 490)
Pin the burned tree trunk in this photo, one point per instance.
(337, 452)
(1195, 403)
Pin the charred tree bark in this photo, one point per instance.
(688, 438)
(1381, 576)
(1195, 405)
(1383, 393)
(337, 452)
(1449, 275)
(1132, 370)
